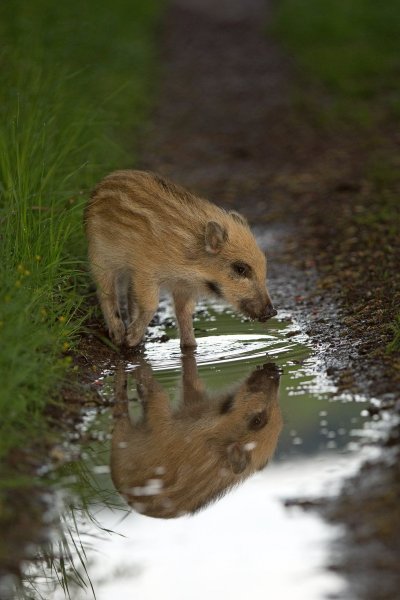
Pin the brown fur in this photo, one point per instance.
(175, 462)
(146, 233)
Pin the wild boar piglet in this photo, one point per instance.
(146, 233)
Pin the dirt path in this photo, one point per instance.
(225, 127)
(222, 125)
(224, 88)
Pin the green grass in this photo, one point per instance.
(394, 345)
(352, 47)
(76, 79)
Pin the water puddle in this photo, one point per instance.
(226, 434)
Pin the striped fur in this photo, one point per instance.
(145, 233)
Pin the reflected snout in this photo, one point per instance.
(269, 372)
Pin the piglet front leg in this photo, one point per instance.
(184, 309)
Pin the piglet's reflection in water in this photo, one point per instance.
(175, 461)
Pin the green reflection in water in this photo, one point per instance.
(230, 348)
(315, 421)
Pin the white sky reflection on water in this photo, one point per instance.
(246, 545)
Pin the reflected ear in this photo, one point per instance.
(238, 457)
(215, 237)
(238, 217)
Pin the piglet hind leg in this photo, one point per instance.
(146, 296)
(184, 309)
(122, 290)
(108, 301)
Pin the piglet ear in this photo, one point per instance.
(215, 237)
(238, 457)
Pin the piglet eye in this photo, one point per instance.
(258, 421)
(242, 269)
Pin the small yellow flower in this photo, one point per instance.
(38, 257)
(18, 283)
(65, 346)
(61, 319)
(20, 268)
(26, 272)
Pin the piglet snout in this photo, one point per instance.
(255, 311)
(269, 312)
